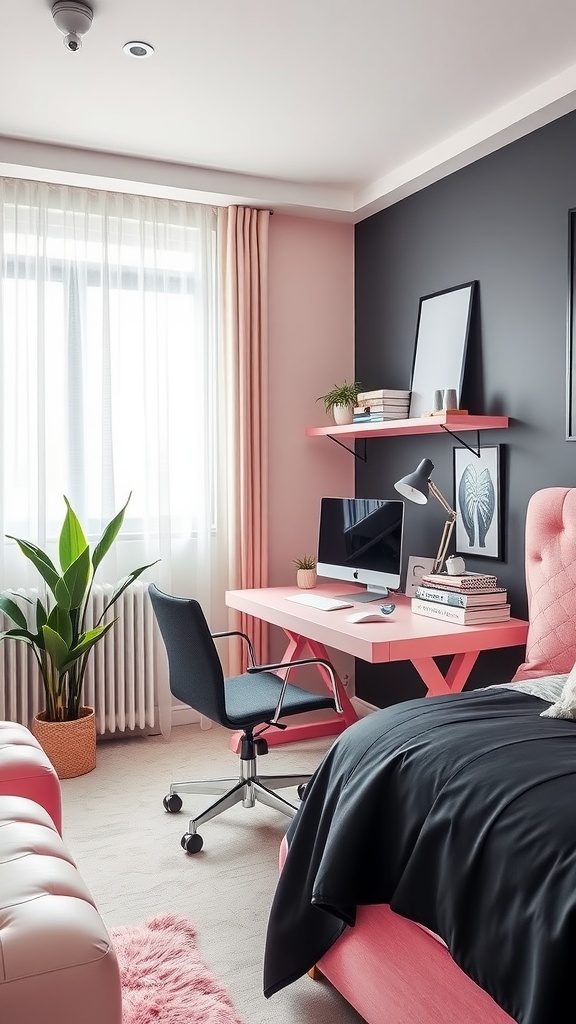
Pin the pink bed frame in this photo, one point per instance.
(395, 972)
(391, 970)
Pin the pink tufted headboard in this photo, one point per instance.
(550, 583)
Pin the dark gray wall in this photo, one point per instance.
(502, 221)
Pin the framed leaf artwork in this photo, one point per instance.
(477, 501)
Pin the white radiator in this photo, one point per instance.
(120, 681)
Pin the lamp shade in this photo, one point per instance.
(415, 485)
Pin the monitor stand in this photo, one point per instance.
(364, 596)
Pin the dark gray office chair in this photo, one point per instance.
(258, 697)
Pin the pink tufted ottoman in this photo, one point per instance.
(57, 963)
(26, 771)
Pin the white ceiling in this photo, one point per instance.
(335, 107)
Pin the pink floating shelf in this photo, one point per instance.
(417, 425)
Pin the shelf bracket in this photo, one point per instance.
(363, 458)
(475, 451)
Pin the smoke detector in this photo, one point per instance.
(73, 18)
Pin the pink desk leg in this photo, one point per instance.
(301, 647)
(456, 676)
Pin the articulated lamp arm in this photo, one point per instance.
(448, 527)
(416, 487)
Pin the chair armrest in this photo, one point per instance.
(293, 664)
(236, 632)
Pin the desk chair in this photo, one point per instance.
(258, 697)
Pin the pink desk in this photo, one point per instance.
(402, 637)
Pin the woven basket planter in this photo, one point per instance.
(306, 578)
(70, 746)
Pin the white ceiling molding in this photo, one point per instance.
(115, 172)
(536, 108)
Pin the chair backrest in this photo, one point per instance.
(550, 552)
(196, 676)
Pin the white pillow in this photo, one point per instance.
(548, 688)
(565, 706)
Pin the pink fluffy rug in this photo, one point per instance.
(164, 979)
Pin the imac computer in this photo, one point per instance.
(360, 540)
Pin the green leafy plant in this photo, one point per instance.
(58, 636)
(341, 394)
(306, 562)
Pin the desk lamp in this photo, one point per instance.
(416, 487)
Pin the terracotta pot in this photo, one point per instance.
(306, 578)
(343, 414)
(70, 746)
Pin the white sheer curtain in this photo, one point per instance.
(111, 368)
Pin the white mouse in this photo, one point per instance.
(372, 616)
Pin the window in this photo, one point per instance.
(111, 367)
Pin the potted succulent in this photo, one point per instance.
(340, 401)
(306, 572)
(57, 631)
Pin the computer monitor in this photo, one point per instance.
(360, 540)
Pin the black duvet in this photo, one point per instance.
(460, 812)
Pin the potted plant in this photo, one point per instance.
(340, 401)
(306, 572)
(61, 638)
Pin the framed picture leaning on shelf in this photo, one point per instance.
(477, 501)
(442, 332)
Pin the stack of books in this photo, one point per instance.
(385, 404)
(468, 599)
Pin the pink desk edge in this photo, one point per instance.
(402, 637)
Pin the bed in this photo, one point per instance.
(423, 869)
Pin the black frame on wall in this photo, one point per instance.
(442, 332)
(571, 331)
(478, 502)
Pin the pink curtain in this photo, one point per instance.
(243, 249)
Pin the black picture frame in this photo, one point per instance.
(442, 332)
(571, 331)
(478, 502)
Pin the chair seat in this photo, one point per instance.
(251, 699)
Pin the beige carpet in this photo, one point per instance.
(128, 851)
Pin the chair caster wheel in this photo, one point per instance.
(301, 790)
(172, 803)
(191, 842)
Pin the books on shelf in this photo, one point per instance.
(470, 581)
(374, 406)
(370, 410)
(382, 401)
(375, 410)
(463, 599)
(381, 407)
(462, 616)
(383, 393)
(377, 417)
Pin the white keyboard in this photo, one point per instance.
(325, 604)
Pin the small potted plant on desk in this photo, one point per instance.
(61, 639)
(340, 401)
(306, 572)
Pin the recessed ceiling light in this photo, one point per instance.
(138, 49)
